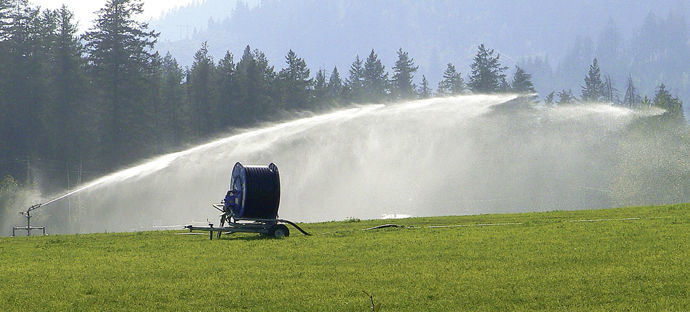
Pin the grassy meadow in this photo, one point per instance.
(626, 259)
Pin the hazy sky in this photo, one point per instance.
(84, 9)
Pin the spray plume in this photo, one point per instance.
(443, 156)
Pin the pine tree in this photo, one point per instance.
(335, 85)
(452, 82)
(256, 91)
(549, 99)
(424, 90)
(175, 111)
(375, 79)
(671, 104)
(522, 81)
(487, 73)
(120, 58)
(227, 91)
(566, 97)
(403, 73)
(202, 97)
(320, 89)
(355, 82)
(593, 90)
(74, 120)
(19, 81)
(295, 83)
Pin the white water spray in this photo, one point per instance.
(443, 156)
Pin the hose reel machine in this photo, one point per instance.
(251, 204)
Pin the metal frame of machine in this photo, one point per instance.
(251, 204)
(28, 227)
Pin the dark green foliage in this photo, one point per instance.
(424, 90)
(355, 82)
(549, 98)
(226, 91)
(108, 98)
(671, 104)
(566, 97)
(335, 88)
(71, 116)
(402, 86)
(375, 80)
(487, 72)
(174, 122)
(202, 97)
(522, 81)
(294, 83)
(593, 90)
(120, 58)
(452, 82)
(320, 88)
(254, 82)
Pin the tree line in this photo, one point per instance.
(106, 98)
(598, 89)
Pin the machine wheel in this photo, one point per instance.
(280, 231)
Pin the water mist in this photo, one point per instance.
(443, 156)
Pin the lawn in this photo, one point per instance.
(626, 259)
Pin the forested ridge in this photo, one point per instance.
(75, 106)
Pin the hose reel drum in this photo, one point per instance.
(251, 204)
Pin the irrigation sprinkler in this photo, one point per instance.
(251, 204)
(28, 227)
(27, 215)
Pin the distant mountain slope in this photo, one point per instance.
(328, 33)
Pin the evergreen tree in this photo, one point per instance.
(487, 73)
(74, 121)
(355, 82)
(255, 92)
(424, 90)
(671, 104)
(175, 113)
(549, 99)
(202, 97)
(227, 91)
(375, 79)
(504, 86)
(566, 97)
(20, 76)
(522, 81)
(120, 57)
(593, 90)
(452, 82)
(403, 73)
(320, 89)
(295, 83)
(335, 85)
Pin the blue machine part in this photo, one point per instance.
(254, 192)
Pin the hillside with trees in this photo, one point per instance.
(76, 106)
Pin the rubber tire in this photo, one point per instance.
(280, 231)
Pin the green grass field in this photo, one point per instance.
(628, 259)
